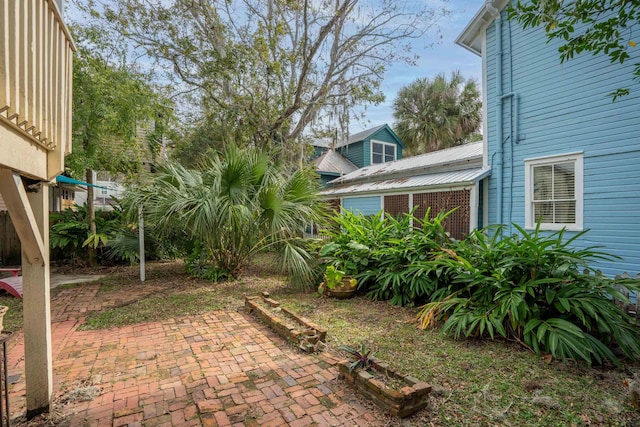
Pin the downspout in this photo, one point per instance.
(499, 131)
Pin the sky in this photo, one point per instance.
(443, 57)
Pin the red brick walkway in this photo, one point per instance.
(217, 369)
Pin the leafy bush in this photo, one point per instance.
(382, 252)
(534, 288)
(116, 237)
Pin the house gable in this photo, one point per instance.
(358, 147)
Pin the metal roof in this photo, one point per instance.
(443, 179)
(463, 156)
(334, 162)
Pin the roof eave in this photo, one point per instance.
(471, 36)
(346, 190)
(450, 165)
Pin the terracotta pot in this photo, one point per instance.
(345, 290)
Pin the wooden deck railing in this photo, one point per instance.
(36, 52)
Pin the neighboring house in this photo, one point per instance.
(377, 145)
(561, 152)
(108, 188)
(440, 180)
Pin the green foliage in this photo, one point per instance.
(288, 65)
(237, 204)
(534, 288)
(435, 114)
(69, 232)
(382, 251)
(595, 26)
(116, 238)
(362, 358)
(333, 276)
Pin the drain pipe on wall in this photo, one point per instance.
(513, 128)
(499, 131)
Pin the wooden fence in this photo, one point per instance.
(9, 241)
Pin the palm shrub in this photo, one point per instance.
(235, 204)
(534, 288)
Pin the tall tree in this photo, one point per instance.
(111, 101)
(439, 113)
(273, 67)
(595, 26)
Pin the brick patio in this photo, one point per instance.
(217, 369)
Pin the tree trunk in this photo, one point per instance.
(91, 219)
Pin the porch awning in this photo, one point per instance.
(66, 180)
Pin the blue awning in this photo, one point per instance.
(66, 180)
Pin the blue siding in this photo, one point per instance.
(365, 205)
(355, 153)
(565, 108)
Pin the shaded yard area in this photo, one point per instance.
(181, 351)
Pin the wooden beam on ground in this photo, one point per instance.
(29, 213)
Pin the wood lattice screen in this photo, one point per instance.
(396, 205)
(334, 205)
(457, 224)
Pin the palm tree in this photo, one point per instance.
(234, 205)
(439, 113)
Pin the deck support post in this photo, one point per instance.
(29, 212)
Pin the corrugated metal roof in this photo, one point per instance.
(463, 177)
(464, 155)
(332, 161)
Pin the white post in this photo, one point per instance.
(37, 314)
(29, 211)
(141, 242)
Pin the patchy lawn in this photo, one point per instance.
(475, 382)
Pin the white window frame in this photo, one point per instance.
(395, 150)
(529, 164)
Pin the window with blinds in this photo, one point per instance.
(554, 192)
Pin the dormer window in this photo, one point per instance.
(382, 152)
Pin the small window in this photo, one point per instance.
(104, 191)
(554, 192)
(382, 152)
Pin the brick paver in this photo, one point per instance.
(217, 369)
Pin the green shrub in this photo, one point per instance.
(534, 288)
(384, 253)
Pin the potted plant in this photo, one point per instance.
(398, 394)
(337, 284)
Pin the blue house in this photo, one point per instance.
(560, 150)
(372, 146)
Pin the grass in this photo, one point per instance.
(476, 382)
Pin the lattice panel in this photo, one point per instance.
(457, 224)
(334, 205)
(396, 205)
